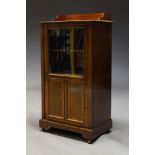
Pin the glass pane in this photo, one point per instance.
(66, 50)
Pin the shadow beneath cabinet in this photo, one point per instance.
(65, 133)
(70, 134)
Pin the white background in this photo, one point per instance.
(13, 77)
(142, 77)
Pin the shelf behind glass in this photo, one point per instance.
(66, 50)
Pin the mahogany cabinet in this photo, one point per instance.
(76, 55)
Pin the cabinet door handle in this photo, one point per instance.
(65, 98)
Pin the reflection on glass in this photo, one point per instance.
(66, 50)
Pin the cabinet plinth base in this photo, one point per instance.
(88, 134)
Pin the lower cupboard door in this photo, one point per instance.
(56, 101)
(75, 102)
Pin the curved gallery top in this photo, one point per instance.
(91, 17)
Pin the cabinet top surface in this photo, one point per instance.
(92, 17)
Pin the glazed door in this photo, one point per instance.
(65, 75)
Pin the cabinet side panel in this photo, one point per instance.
(101, 72)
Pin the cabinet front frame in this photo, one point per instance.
(46, 75)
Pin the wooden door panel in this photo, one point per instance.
(56, 98)
(75, 101)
